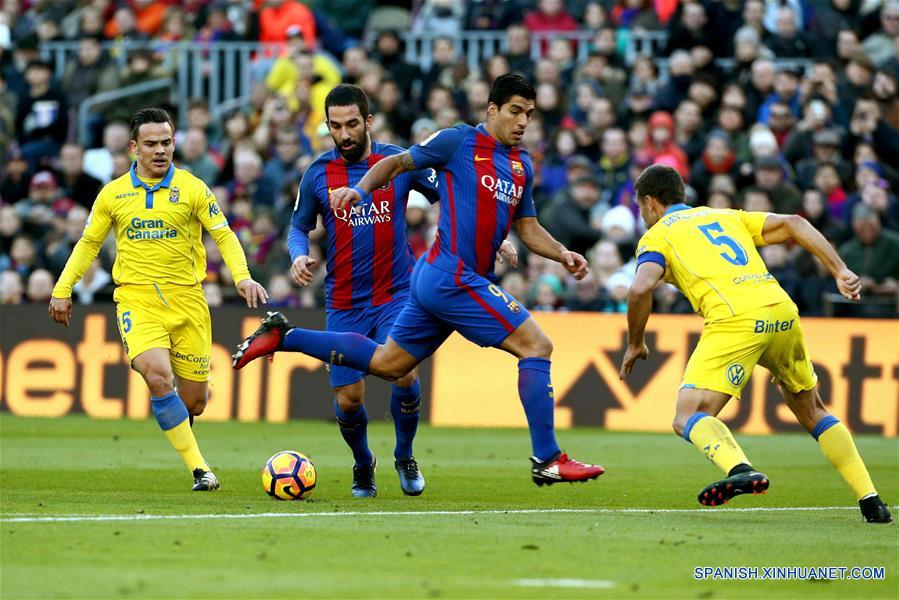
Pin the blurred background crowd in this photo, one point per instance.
(772, 105)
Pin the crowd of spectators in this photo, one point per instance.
(773, 105)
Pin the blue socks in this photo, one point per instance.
(405, 405)
(536, 392)
(169, 410)
(354, 429)
(337, 348)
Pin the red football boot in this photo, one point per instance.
(265, 341)
(561, 468)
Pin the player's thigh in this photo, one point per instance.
(356, 320)
(190, 329)
(725, 356)
(481, 311)
(528, 341)
(786, 355)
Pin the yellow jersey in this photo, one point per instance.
(710, 255)
(158, 227)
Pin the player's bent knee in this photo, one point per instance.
(349, 398)
(159, 382)
(538, 346)
(407, 380)
(678, 425)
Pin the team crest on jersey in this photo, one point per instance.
(517, 168)
(174, 195)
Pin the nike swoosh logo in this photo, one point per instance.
(480, 158)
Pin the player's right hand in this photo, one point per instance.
(575, 264)
(343, 197)
(301, 269)
(61, 310)
(849, 284)
(630, 357)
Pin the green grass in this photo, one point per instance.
(76, 466)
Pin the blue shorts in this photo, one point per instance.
(371, 321)
(442, 302)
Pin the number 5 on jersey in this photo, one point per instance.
(740, 258)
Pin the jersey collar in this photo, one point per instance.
(166, 181)
(677, 207)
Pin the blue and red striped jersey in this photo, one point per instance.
(368, 257)
(483, 187)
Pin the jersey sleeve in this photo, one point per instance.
(207, 209)
(438, 149)
(754, 222)
(425, 182)
(99, 222)
(652, 248)
(214, 221)
(305, 208)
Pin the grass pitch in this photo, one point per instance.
(481, 529)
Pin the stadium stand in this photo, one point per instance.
(789, 106)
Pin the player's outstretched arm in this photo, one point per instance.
(537, 239)
(639, 305)
(781, 228)
(378, 176)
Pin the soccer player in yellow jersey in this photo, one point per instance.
(710, 254)
(158, 214)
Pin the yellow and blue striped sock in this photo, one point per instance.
(714, 439)
(837, 445)
(171, 414)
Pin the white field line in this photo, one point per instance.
(30, 518)
(565, 583)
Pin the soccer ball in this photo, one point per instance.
(288, 475)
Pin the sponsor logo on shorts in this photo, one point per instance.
(772, 326)
(736, 373)
(194, 358)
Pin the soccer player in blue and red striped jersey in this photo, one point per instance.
(485, 181)
(369, 263)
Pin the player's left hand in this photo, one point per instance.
(574, 263)
(630, 357)
(507, 252)
(252, 292)
(343, 197)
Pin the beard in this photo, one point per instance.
(354, 152)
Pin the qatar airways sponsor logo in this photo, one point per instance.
(364, 214)
(503, 191)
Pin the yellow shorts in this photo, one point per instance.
(730, 348)
(172, 317)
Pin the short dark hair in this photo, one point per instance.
(661, 182)
(150, 115)
(347, 94)
(508, 85)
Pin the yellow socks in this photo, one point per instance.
(837, 445)
(182, 438)
(715, 440)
